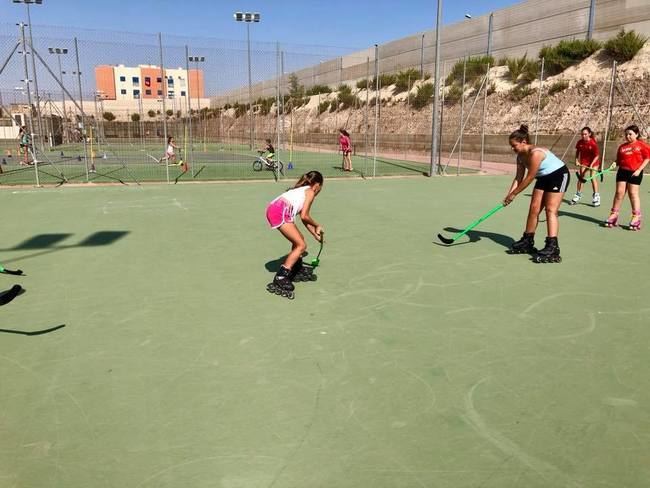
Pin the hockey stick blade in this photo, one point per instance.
(10, 294)
(445, 240)
(16, 272)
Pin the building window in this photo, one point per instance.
(170, 81)
(147, 81)
(182, 94)
(122, 78)
(147, 92)
(135, 80)
(123, 91)
(159, 92)
(159, 80)
(136, 93)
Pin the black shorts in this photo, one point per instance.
(626, 175)
(555, 182)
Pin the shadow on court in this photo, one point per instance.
(49, 243)
(476, 235)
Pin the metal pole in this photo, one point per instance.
(62, 99)
(539, 98)
(422, 56)
(592, 16)
(188, 101)
(81, 107)
(164, 95)
(250, 86)
(462, 116)
(487, 84)
(436, 95)
(366, 115)
(610, 104)
(377, 101)
(38, 99)
(29, 100)
(277, 106)
(442, 119)
(490, 27)
(281, 92)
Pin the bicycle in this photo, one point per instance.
(261, 163)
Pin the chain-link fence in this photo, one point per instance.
(102, 106)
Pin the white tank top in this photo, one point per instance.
(294, 197)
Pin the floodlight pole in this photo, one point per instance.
(436, 95)
(38, 99)
(249, 17)
(81, 107)
(58, 52)
(163, 80)
(29, 98)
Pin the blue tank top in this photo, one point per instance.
(549, 164)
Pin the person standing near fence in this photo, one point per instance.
(632, 157)
(345, 145)
(552, 177)
(587, 156)
(24, 140)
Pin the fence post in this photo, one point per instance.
(608, 121)
(366, 115)
(487, 84)
(188, 103)
(377, 101)
(436, 95)
(462, 117)
(164, 95)
(83, 112)
(539, 98)
(277, 106)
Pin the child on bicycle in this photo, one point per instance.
(281, 214)
(270, 151)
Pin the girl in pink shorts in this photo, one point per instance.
(281, 214)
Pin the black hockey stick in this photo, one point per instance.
(33, 333)
(10, 294)
(17, 272)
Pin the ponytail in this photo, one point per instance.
(521, 134)
(309, 179)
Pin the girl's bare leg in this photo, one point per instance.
(298, 246)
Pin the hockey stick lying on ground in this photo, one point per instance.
(4, 270)
(446, 240)
(316, 262)
(33, 333)
(612, 167)
(10, 294)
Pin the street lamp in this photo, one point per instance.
(59, 51)
(31, 44)
(248, 17)
(196, 60)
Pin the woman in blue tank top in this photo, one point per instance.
(552, 177)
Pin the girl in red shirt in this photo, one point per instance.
(344, 142)
(587, 155)
(631, 158)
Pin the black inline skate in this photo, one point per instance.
(550, 253)
(282, 284)
(525, 245)
(302, 272)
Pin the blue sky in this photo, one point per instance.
(342, 23)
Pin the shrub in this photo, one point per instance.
(108, 116)
(405, 79)
(476, 68)
(169, 112)
(423, 96)
(558, 87)
(227, 106)
(522, 68)
(323, 107)
(567, 53)
(625, 45)
(519, 93)
(318, 89)
(454, 94)
(135, 117)
(151, 113)
(502, 61)
(384, 80)
(345, 97)
(363, 84)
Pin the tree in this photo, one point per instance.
(169, 112)
(109, 116)
(135, 117)
(151, 113)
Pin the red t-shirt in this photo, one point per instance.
(344, 141)
(587, 151)
(631, 155)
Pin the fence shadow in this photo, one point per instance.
(586, 218)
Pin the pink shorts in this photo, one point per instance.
(279, 213)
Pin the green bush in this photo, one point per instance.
(365, 83)
(384, 80)
(318, 89)
(567, 53)
(558, 87)
(405, 79)
(625, 45)
(323, 107)
(531, 71)
(151, 113)
(227, 106)
(135, 117)
(453, 94)
(502, 61)
(109, 116)
(423, 96)
(520, 92)
(518, 67)
(476, 68)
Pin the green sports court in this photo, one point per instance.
(407, 364)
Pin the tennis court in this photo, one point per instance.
(407, 364)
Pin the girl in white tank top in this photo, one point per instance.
(281, 214)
